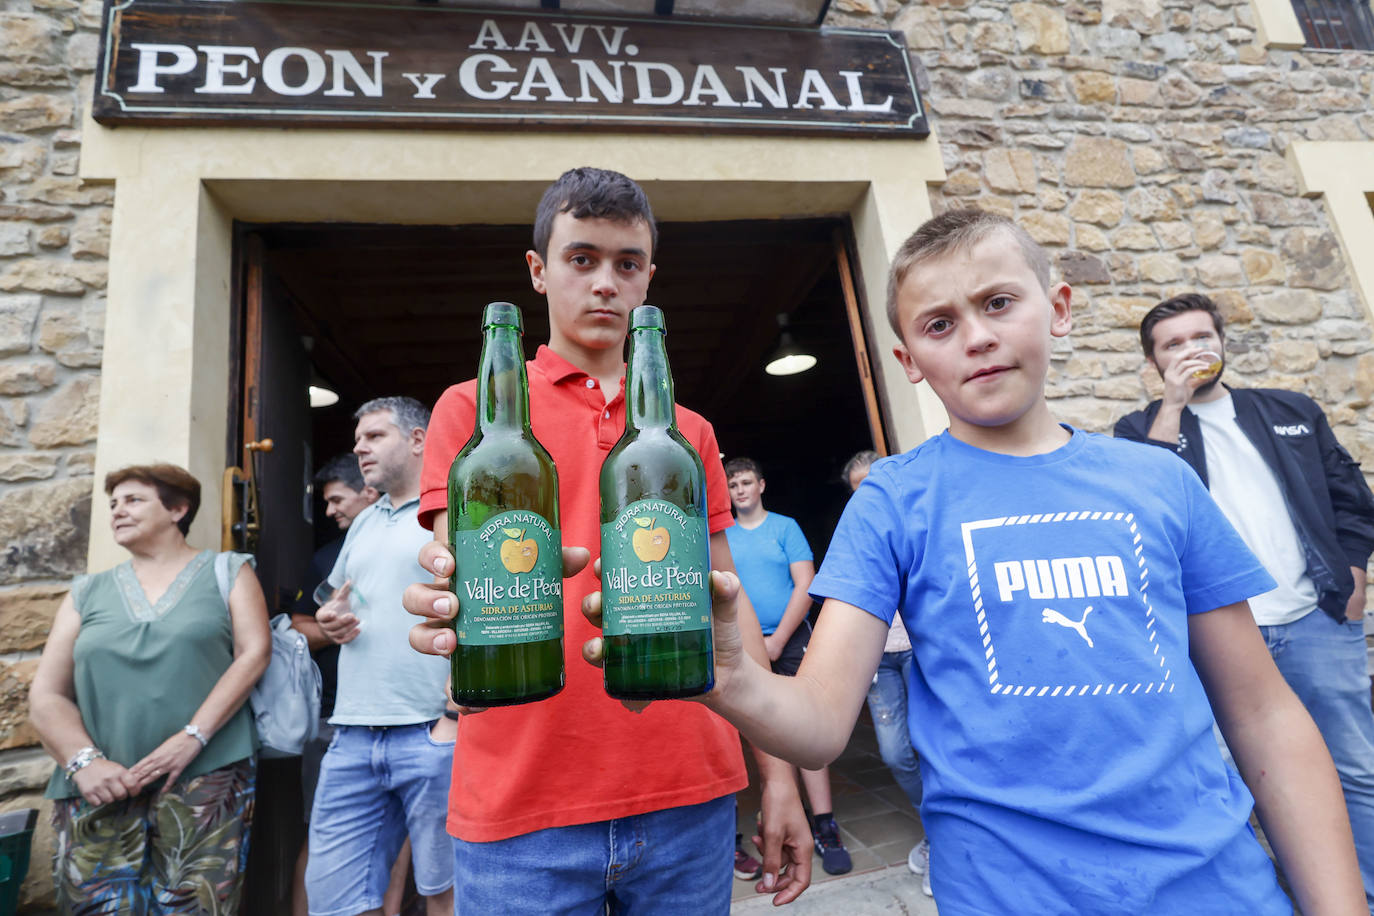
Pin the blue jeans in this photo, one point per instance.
(1325, 664)
(675, 861)
(887, 705)
(376, 787)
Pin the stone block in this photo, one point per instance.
(42, 275)
(43, 531)
(1233, 306)
(80, 464)
(1275, 210)
(1262, 267)
(1105, 208)
(1174, 235)
(27, 377)
(36, 112)
(28, 38)
(1040, 29)
(1210, 230)
(1078, 268)
(991, 203)
(25, 466)
(1135, 237)
(52, 237)
(91, 234)
(1010, 169)
(1249, 138)
(1294, 355)
(18, 313)
(1090, 87)
(922, 25)
(1117, 389)
(25, 771)
(1160, 268)
(993, 36)
(1287, 306)
(15, 678)
(1051, 199)
(1139, 92)
(1113, 42)
(1314, 258)
(64, 190)
(69, 416)
(1046, 228)
(1216, 187)
(962, 183)
(1148, 160)
(1217, 270)
(61, 328)
(1150, 204)
(1119, 311)
(26, 616)
(14, 239)
(1090, 238)
(1098, 162)
(1143, 16)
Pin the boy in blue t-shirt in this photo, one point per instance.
(775, 567)
(1074, 602)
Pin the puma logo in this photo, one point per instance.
(1052, 616)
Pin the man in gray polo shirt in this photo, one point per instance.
(386, 774)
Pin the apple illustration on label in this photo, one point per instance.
(650, 543)
(518, 552)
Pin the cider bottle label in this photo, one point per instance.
(654, 565)
(510, 581)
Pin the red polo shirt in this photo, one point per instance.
(580, 756)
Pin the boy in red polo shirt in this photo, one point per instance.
(577, 802)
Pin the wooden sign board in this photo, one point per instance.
(321, 64)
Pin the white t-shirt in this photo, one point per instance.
(1248, 492)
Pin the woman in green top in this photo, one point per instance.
(140, 697)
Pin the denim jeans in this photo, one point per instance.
(674, 861)
(887, 705)
(1325, 664)
(376, 787)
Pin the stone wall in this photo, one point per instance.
(1142, 142)
(54, 238)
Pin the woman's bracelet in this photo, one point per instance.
(82, 759)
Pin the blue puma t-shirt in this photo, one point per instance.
(1065, 739)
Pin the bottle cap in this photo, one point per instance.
(647, 318)
(503, 314)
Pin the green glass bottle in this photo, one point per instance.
(503, 525)
(655, 547)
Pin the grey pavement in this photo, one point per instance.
(888, 890)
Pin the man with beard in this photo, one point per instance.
(1299, 501)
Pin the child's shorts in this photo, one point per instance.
(791, 658)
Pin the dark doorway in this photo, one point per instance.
(373, 310)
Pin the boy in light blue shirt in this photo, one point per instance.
(1077, 610)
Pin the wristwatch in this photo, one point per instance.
(194, 731)
(82, 759)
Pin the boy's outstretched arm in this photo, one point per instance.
(807, 719)
(1282, 758)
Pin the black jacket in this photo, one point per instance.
(1330, 503)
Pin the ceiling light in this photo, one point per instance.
(787, 358)
(322, 397)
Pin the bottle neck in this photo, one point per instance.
(648, 383)
(503, 398)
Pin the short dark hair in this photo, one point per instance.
(589, 193)
(1188, 302)
(951, 231)
(741, 466)
(341, 469)
(406, 413)
(175, 486)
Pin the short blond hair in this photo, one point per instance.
(956, 230)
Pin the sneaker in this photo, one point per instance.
(747, 868)
(829, 846)
(918, 860)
